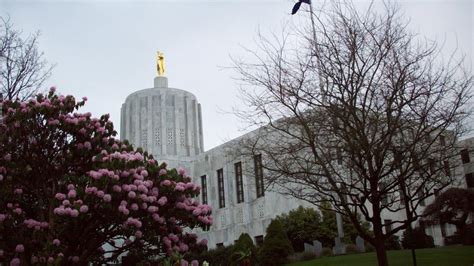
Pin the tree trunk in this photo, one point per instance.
(380, 250)
(379, 242)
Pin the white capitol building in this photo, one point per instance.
(167, 122)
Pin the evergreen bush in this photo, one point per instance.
(244, 251)
(419, 240)
(276, 245)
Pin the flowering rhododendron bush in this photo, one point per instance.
(70, 193)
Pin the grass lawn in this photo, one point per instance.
(445, 256)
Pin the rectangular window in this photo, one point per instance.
(443, 229)
(442, 140)
(259, 240)
(388, 225)
(204, 189)
(421, 197)
(447, 169)
(219, 245)
(432, 165)
(465, 156)
(470, 180)
(402, 195)
(383, 193)
(259, 175)
(339, 156)
(238, 182)
(220, 186)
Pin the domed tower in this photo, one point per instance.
(164, 121)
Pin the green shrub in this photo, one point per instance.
(301, 256)
(308, 255)
(218, 257)
(326, 252)
(276, 245)
(369, 247)
(301, 225)
(419, 240)
(392, 243)
(468, 235)
(243, 250)
(351, 249)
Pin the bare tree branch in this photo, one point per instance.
(23, 68)
(379, 136)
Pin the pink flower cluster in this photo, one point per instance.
(120, 183)
(31, 223)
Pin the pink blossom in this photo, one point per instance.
(17, 211)
(134, 207)
(19, 248)
(7, 157)
(194, 263)
(15, 262)
(162, 172)
(162, 201)
(56, 242)
(75, 259)
(84, 208)
(142, 188)
(91, 190)
(53, 122)
(87, 145)
(132, 194)
(59, 210)
(18, 191)
(138, 234)
(84, 98)
(152, 209)
(117, 188)
(74, 213)
(72, 194)
(100, 194)
(50, 259)
(184, 263)
(70, 187)
(2, 217)
(197, 212)
(181, 171)
(167, 242)
(183, 247)
(107, 197)
(166, 183)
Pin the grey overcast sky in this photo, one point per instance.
(105, 50)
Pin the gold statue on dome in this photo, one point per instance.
(160, 63)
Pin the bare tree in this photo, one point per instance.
(22, 67)
(358, 111)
